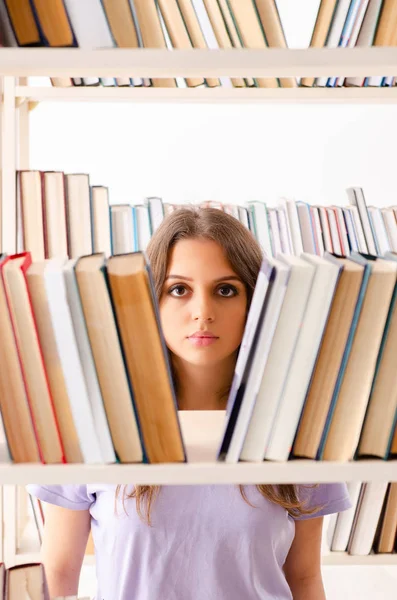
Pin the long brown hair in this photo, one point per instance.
(245, 256)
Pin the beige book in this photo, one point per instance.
(225, 36)
(351, 404)
(249, 27)
(274, 33)
(146, 357)
(36, 285)
(61, 82)
(55, 232)
(382, 406)
(152, 34)
(121, 23)
(101, 230)
(31, 359)
(320, 32)
(393, 448)
(26, 582)
(386, 30)
(177, 31)
(78, 209)
(14, 404)
(195, 33)
(326, 371)
(32, 213)
(108, 358)
(388, 530)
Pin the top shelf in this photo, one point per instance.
(154, 63)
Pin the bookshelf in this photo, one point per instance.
(16, 65)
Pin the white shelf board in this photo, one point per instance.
(301, 471)
(344, 559)
(268, 62)
(210, 95)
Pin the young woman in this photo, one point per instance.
(205, 542)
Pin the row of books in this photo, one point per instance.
(184, 24)
(369, 525)
(62, 215)
(26, 581)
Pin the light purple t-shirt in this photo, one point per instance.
(205, 543)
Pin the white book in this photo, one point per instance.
(294, 226)
(100, 215)
(333, 227)
(256, 357)
(275, 231)
(335, 32)
(78, 205)
(325, 228)
(362, 244)
(316, 223)
(143, 226)
(351, 230)
(305, 354)
(342, 230)
(355, 27)
(391, 227)
(285, 233)
(367, 517)
(356, 198)
(345, 519)
(306, 227)
(258, 211)
(55, 215)
(70, 361)
(124, 236)
(208, 33)
(279, 359)
(243, 216)
(87, 363)
(366, 37)
(156, 211)
(379, 229)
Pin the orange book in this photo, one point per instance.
(31, 357)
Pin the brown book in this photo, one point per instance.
(275, 38)
(54, 22)
(329, 360)
(195, 33)
(30, 185)
(388, 529)
(393, 447)
(152, 34)
(386, 29)
(14, 405)
(121, 23)
(23, 22)
(382, 407)
(250, 30)
(31, 358)
(26, 581)
(178, 33)
(146, 357)
(107, 354)
(351, 404)
(226, 24)
(54, 215)
(320, 32)
(36, 285)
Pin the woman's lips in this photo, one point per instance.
(202, 340)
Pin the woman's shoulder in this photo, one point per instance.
(325, 498)
(75, 497)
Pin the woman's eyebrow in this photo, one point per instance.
(224, 278)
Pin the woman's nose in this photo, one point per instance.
(203, 309)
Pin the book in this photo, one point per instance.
(366, 518)
(23, 23)
(335, 31)
(328, 363)
(260, 327)
(279, 359)
(78, 207)
(100, 219)
(229, 34)
(348, 416)
(345, 519)
(30, 354)
(108, 357)
(54, 215)
(26, 581)
(31, 216)
(366, 36)
(124, 228)
(388, 529)
(385, 32)
(20, 430)
(146, 357)
(53, 22)
(356, 198)
(325, 15)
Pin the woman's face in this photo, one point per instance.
(203, 304)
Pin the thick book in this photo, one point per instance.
(108, 357)
(31, 357)
(17, 418)
(146, 357)
(388, 529)
(259, 330)
(351, 403)
(279, 359)
(329, 360)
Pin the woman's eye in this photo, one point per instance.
(177, 291)
(227, 291)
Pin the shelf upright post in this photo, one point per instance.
(8, 167)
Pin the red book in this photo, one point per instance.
(13, 272)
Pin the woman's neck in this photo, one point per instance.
(203, 387)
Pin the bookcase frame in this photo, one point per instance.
(16, 65)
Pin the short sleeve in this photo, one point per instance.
(326, 498)
(75, 497)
